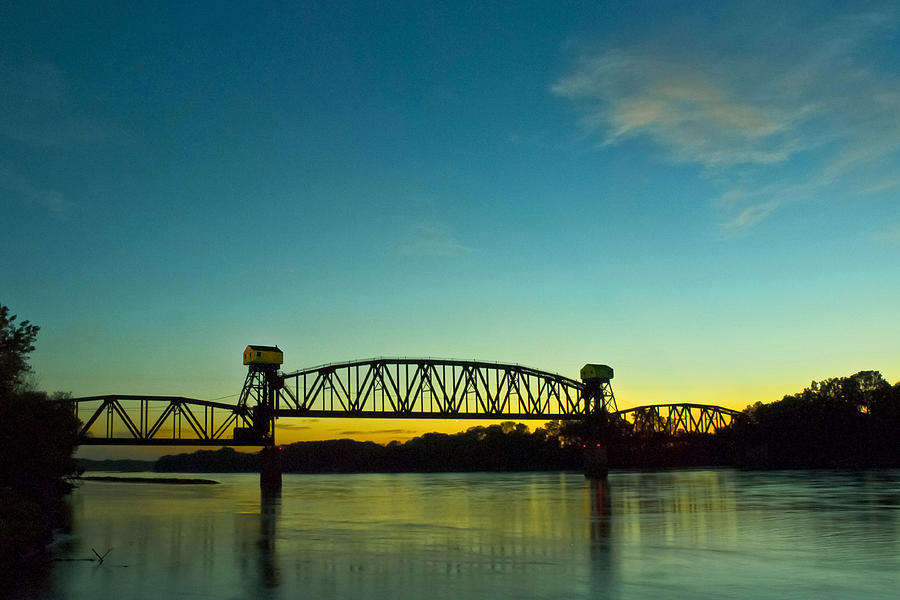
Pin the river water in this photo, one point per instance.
(677, 534)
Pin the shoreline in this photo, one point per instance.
(167, 480)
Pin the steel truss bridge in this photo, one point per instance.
(673, 418)
(400, 388)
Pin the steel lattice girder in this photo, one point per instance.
(430, 388)
(672, 418)
(381, 388)
(130, 419)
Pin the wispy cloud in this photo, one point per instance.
(774, 109)
(431, 239)
(379, 432)
(888, 235)
(883, 186)
(293, 426)
(37, 109)
(745, 204)
(20, 188)
(696, 116)
(748, 218)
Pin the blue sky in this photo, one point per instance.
(704, 196)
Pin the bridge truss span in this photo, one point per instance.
(158, 420)
(430, 388)
(407, 388)
(674, 418)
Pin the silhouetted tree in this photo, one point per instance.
(648, 421)
(845, 421)
(16, 343)
(38, 435)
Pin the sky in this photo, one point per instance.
(705, 196)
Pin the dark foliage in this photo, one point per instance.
(16, 343)
(504, 447)
(224, 460)
(38, 435)
(841, 422)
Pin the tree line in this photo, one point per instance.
(840, 422)
(506, 446)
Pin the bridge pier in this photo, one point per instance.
(270, 468)
(596, 464)
(599, 404)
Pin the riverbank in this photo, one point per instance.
(166, 480)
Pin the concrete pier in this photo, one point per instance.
(270, 468)
(595, 460)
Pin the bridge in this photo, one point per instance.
(671, 419)
(418, 388)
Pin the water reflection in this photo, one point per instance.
(489, 535)
(255, 549)
(415, 531)
(269, 511)
(600, 508)
(602, 579)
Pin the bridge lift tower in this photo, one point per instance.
(599, 404)
(598, 394)
(258, 397)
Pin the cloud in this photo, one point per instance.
(883, 185)
(51, 200)
(293, 427)
(697, 116)
(888, 235)
(780, 103)
(743, 206)
(37, 109)
(748, 218)
(379, 432)
(431, 239)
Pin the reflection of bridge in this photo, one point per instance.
(375, 388)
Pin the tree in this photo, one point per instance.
(16, 343)
(843, 421)
(38, 435)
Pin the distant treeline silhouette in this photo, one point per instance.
(842, 422)
(504, 447)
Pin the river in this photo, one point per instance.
(676, 534)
